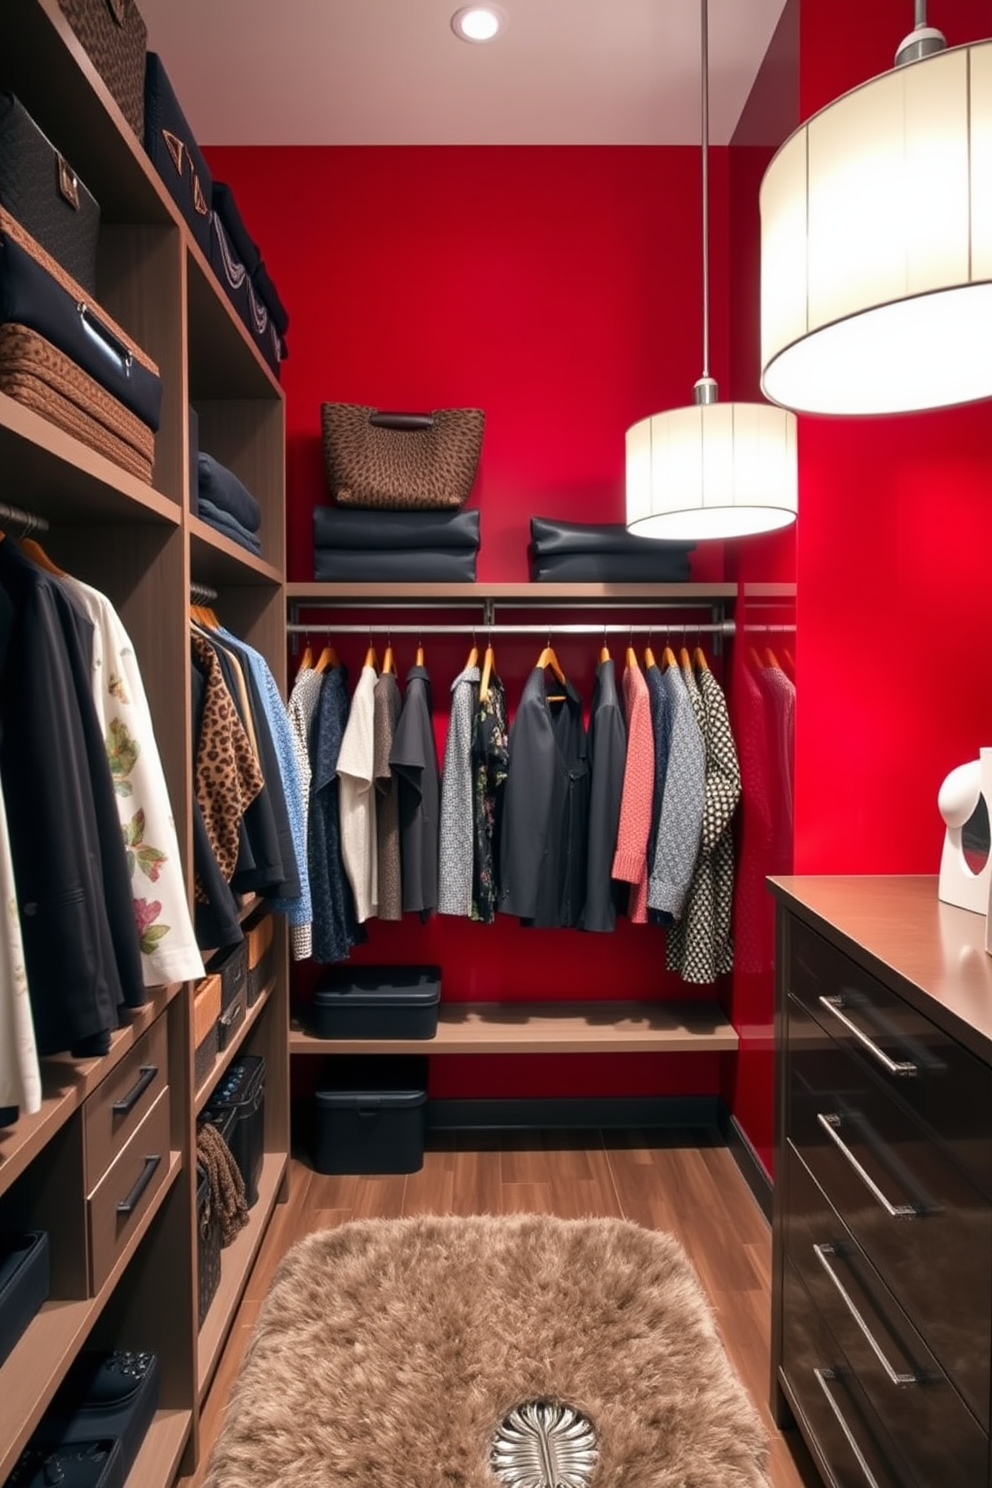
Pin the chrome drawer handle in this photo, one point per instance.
(831, 1126)
(892, 1066)
(822, 1376)
(128, 1102)
(128, 1205)
(822, 1252)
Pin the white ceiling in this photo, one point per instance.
(385, 72)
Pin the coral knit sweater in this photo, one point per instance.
(630, 861)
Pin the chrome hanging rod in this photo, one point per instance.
(27, 521)
(678, 627)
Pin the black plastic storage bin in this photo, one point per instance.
(377, 1002)
(242, 1090)
(371, 1114)
(24, 1284)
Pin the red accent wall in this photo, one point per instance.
(560, 290)
(894, 562)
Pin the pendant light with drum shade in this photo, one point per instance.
(712, 470)
(876, 240)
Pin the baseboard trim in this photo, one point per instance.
(557, 1113)
(751, 1167)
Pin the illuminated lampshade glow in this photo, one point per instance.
(876, 245)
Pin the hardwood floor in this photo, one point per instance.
(685, 1183)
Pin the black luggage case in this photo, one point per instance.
(377, 1002)
(41, 191)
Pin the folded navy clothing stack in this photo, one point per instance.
(603, 552)
(360, 545)
(225, 504)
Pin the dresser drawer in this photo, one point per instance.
(906, 1385)
(924, 1226)
(942, 1083)
(121, 1102)
(127, 1190)
(835, 1411)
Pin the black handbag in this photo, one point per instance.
(41, 191)
(85, 1464)
(174, 152)
(35, 293)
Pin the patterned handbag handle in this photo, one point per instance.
(409, 422)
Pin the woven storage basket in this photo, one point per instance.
(41, 377)
(115, 37)
(401, 461)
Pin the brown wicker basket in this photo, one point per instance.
(401, 461)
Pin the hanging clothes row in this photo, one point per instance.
(551, 822)
(249, 805)
(93, 885)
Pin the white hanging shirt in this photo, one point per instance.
(20, 1077)
(356, 798)
(169, 952)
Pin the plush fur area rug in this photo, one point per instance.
(388, 1352)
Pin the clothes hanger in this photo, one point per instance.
(649, 660)
(699, 660)
(370, 658)
(419, 661)
(630, 659)
(488, 664)
(306, 660)
(37, 554)
(668, 658)
(604, 650)
(327, 659)
(473, 657)
(388, 660)
(789, 660)
(772, 659)
(685, 660)
(547, 659)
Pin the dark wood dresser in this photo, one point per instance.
(882, 1249)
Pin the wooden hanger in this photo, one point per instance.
(772, 659)
(420, 657)
(204, 615)
(306, 660)
(649, 660)
(327, 659)
(668, 658)
(370, 658)
(630, 659)
(699, 660)
(685, 660)
(604, 653)
(547, 659)
(388, 661)
(38, 555)
(473, 657)
(488, 663)
(790, 660)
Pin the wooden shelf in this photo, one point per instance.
(552, 1028)
(236, 1262)
(50, 471)
(227, 1056)
(223, 360)
(538, 594)
(158, 1460)
(216, 560)
(39, 1360)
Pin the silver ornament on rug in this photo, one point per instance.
(543, 1444)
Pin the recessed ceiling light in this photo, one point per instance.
(478, 22)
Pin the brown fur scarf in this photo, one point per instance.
(227, 1187)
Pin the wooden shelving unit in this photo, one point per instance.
(551, 1028)
(142, 545)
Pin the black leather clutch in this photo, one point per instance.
(24, 1285)
(364, 529)
(41, 191)
(174, 152)
(86, 1464)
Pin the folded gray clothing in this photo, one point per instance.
(551, 535)
(224, 489)
(418, 565)
(347, 527)
(229, 526)
(613, 568)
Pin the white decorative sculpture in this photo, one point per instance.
(966, 861)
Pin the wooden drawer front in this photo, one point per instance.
(121, 1102)
(945, 1085)
(834, 1408)
(116, 1207)
(902, 1379)
(917, 1217)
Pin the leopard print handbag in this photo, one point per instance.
(401, 461)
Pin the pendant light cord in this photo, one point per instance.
(705, 137)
